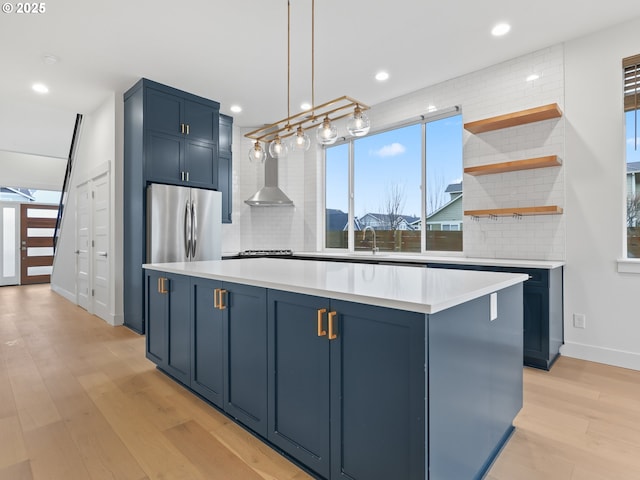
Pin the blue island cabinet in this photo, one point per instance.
(346, 387)
(347, 390)
(211, 336)
(229, 338)
(168, 323)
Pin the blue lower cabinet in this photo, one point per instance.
(168, 319)
(245, 354)
(346, 387)
(299, 378)
(378, 413)
(207, 368)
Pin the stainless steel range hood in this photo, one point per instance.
(270, 195)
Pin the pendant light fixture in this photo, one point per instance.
(257, 153)
(291, 133)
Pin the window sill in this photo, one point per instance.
(628, 265)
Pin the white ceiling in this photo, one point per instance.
(235, 52)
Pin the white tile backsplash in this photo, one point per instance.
(493, 91)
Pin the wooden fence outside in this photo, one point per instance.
(406, 241)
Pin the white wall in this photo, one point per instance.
(595, 191)
(32, 171)
(99, 150)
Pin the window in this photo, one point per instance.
(385, 173)
(631, 67)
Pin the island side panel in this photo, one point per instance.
(475, 383)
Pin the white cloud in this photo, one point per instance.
(631, 141)
(390, 150)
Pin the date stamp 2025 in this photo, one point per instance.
(24, 8)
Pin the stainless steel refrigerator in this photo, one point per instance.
(184, 224)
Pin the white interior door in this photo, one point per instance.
(83, 246)
(100, 267)
(9, 244)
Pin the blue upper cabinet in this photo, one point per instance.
(181, 138)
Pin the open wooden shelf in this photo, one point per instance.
(513, 166)
(508, 212)
(522, 117)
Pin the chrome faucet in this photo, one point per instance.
(374, 249)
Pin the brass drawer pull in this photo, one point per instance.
(333, 331)
(321, 331)
(162, 288)
(221, 304)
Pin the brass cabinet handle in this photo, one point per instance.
(187, 125)
(321, 331)
(215, 298)
(221, 304)
(333, 332)
(162, 288)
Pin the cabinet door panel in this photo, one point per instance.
(163, 157)
(377, 394)
(245, 395)
(207, 368)
(163, 112)
(155, 312)
(179, 323)
(201, 161)
(299, 379)
(202, 120)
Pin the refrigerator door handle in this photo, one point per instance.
(187, 229)
(194, 230)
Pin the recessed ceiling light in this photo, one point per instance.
(40, 88)
(49, 59)
(500, 29)
(532, 77)
(382, 76)
(305, 106)
(236, 108)
(431, 108)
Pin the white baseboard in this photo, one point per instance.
(112, 319)
(617, 358)
(71, 296)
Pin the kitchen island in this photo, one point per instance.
(542, 293)
(354, 371)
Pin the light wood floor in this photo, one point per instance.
(78, 400)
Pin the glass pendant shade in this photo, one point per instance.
(278, 149)
(327, 134)
(359, 124)
(300, 141)
(257, 153)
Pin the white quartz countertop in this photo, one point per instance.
(423, 290)
(394, 257)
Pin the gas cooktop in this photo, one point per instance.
(265, 253)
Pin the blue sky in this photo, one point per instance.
(394, 158)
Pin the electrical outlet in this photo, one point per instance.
(579, 320)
